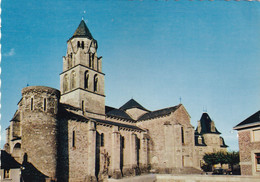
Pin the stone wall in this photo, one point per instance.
(247, 149)
(39, 128)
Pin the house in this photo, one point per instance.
(249, 144)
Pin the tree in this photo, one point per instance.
(232, 159)
(211, 159)
(222, 158)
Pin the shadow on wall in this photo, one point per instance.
(63, 144)
(30, 173)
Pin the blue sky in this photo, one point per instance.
(205, 52)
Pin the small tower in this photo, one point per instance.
(82, 80)
(39, 108)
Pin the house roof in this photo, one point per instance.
(8, 162)
(65, 112)
(250, 121)
(121, 114)
(159, 113)
(205, 123)
(82, 31)
(132, 104)
(16, 116)
(224, 144)
(117, 124)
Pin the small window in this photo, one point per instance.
(44, 104)
(138, 143)
(123, 142)
(90, 60)
(82, 44)
(17, 146)
(73, 138)
(95, 83)
(78, 44)
(102, 144)
(31, 104)
(182, 135)
(82, 106)
(86, 79)
(257, 158)
(6, 173)
(93, 57)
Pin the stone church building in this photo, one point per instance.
(71, 135)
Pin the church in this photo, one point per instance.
(71, 135)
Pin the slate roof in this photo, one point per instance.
(253, 119)
(82, 31)
(121, 114)
(118, 113)
(117, 124)
(66, 113)
(8, 162)
(16, 116)
(158, 113)
(224, 144)
(132, 104)
(205, 122)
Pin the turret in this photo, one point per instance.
(39, 108)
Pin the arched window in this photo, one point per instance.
(17, 146)
(78, 44)
(73, 79)
(82, 44)
(102, 144)
(93, 59)
(65, 83)
(86, 79)
(95, 83)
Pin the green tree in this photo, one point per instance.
(232, 159)
(222, 158)
(211, 159)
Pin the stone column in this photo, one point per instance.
(116, 172)
(177, 146)
(133, 150)
(91, 151)
(144, 152)
(169, 151)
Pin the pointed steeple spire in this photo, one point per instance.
(82, 31)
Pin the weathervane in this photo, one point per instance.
(180, 100)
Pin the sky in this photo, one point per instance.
(204, 54)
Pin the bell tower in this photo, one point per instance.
(82, 79)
